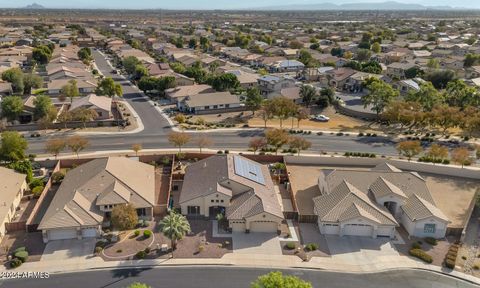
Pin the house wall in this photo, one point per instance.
(13, 208)
(205, 203)
(416, 228)
(385, 230)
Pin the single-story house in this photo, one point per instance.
(216, 102)
(88, 86)
(12, 187)
(89, 192)
(101, 104)
(373, 202)
(178, 94)
(235, 186)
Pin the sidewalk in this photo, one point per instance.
(245, 260)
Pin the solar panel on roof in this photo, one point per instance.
(248, 169)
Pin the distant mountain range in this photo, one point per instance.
(34, 6)
(389, 5)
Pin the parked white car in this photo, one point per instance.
(321, 118)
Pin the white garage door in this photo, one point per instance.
(384, 231)
(60, 234)
(238, 227)
(263, 226)
(89, 233)
(358, 230)
(331, 229)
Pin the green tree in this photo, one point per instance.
(440, 78)
(283, 108)
(84, 115)
(124, 217)
(253, 100)
(42, 54)
(12, 146)
(174, 226)
(380, 95)
(308, 94)
(129, 63)
(12, 106)
(147, 84)
(471, 60)
(85, 54)
(108, 87)
(138, 285)
(70, 90)
(278, 280)
(227, 81)
(31, 81)
(427, 96)
(433, 63)
(42, 107)
(15, 77)
(459, 94)
(363, 55)
(140, 71)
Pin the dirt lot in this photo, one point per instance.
(453, 196)
(32, 241)
(304, 186)
(337, 122)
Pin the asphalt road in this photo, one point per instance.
(233, 277)
(154, 136)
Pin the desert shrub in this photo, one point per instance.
(450, 264)
(147, 250)
(464, 257)
(311, 247)
(201, 248)
(136, 233)
(290, 245)
(431, 241)
(140, 254)
(19, 249)
(98, 249)
(147, 233)
(37, 191)
(15, 263)
(119, 251)
(420, 254)
(35, 182)
(415, 245)
(58, 176)
(145, 223)
(22, 255)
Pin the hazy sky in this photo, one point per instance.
(209, 4)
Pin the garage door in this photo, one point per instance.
(60, 234)
(89, 233)
(384, 231)
(238, 227)
(263, 226)
(331, 229)
(358, 230)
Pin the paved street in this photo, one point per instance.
(207, 277)
(157, 127)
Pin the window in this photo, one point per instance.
(193, 210)
(175, 188)
(221, 201)
(227, 105)
(215, 106)
(141, 212)
(216, 200)
(206, 107)
(212, 200)
(429, 228)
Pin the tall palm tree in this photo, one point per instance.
(174, 226)
(308, 94)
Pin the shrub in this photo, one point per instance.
(35, 182)
(19, 249)
(119, 250)
(311, 247)
(147, 233)
(420, 254)
(98, 250)
(136, 233)
(464, 257)
(15, 263)
(415, 245)
(22, 255)
(476, 267)
(290, 245)
(431, 241)
(140, 254)
(147, 250)
(201, 248)
(58, 176)
(145, 223)
(37, 191)
(450, 264)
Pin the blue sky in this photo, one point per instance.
(209, 4)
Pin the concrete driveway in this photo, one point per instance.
(69, 249)
(256, 243)
(360, 249)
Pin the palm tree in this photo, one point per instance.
(308, 94)
(174, 226)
